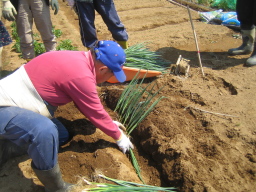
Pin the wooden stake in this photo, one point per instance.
(177, 65)
(194, 32)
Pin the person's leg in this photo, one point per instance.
(245, 14)
(40, 134)
(9, 150)
(24, 22)
(42, 17)
(24, 127)
(1, 49)
(4, 40)
(107, 10)
(251, 61)
(1, 46)
(63, 132)
(86, 15)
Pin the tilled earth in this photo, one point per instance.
(201, 137)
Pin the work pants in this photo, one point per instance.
(107, 10)
(41, 135)
(37, 10)
(246, 13)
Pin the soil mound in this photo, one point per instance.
(201, 137)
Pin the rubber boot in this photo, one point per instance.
(123, 44)
(52, 179)
(10, 150)
(28, 60)
(248, 37)
(252, 59)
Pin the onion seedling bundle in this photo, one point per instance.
(133, 109)
(139, 56)
(125, 186)
(131, 106)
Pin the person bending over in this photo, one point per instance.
(30, 95)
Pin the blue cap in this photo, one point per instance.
(112, 55)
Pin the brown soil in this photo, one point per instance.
(200, 138)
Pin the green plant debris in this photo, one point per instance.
(134, 105)
(123, 186)
(131, 106)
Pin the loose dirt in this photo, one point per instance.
(200, 138)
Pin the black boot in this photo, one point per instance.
(252, 59)
(52, 179)
(248, 37)
(10, 150)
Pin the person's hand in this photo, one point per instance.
(55, 6)
(9, 11)
(124, 142)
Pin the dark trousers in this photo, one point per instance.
(246, 13)
(107, 10)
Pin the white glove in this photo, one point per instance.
(9, 11)
(124, 142)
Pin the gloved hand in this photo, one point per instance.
(9, 11)
(124, 142)
(55, 6)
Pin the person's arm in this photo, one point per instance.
(84, 94)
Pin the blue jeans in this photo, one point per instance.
(107, 10)
(42, 135)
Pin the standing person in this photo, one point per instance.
(5, 38)
(246, 14)
(27, 12)
(29, 96)
(106, 8)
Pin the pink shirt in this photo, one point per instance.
(64, 76)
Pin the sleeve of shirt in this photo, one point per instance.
(84, 94)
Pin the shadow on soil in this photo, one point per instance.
(214, 60)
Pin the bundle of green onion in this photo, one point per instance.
(139, 56)
(133, 109)
(123, 186)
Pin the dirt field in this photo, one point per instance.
(201, 138)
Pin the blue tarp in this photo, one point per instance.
(219, 17)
